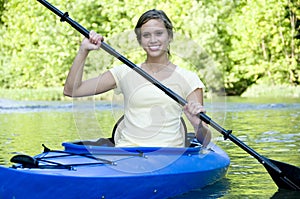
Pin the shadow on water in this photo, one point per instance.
(286, 194)
(216, 190)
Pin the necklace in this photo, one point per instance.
(161, 69)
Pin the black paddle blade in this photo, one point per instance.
(288, 178)
(25, 160)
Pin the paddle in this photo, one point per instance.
(284, 175)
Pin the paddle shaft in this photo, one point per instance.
(169, 92)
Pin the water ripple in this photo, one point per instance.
(233, 107)
(12, 106)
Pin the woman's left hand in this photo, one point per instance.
(203, 134)
(191, 110)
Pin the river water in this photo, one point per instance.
(269, 126)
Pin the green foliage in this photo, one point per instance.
(1, 10)
(263, 44)
(34, 53)
(231, 44)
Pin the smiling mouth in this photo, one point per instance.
(154, 48)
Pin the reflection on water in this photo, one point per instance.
(270, 127)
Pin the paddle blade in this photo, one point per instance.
(289, 178)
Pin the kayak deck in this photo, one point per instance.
(111, 172)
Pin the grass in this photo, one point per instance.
(42, 94)
(271, 91)
(56, 94)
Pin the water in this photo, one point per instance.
(269, 126)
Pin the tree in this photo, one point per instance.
(231, 44)
(263, 45)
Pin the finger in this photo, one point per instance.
(202, 109)
(91, 34)
(197, 108)
(94, 37)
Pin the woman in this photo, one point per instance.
(151, 117)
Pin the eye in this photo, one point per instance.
(159, 33)
(146, 35)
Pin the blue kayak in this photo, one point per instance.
(100, 172)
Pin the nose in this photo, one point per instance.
(153, 38)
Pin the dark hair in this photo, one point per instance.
(153, 14)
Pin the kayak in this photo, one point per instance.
(100, 172)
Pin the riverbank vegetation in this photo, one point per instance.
(237, 47)
(56, 94)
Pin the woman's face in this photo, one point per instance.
(154, 38)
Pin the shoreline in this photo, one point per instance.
(56, 94)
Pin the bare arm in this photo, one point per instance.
(74, 85)
(194, 106)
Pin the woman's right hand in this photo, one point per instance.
(93, 43)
